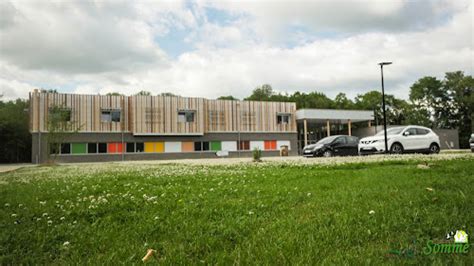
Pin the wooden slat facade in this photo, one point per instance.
(158, 115)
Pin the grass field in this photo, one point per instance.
(269, 213)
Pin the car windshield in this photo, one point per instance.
(391, 131)
(326, 140)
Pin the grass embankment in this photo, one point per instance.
(264, 214)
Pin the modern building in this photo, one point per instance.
(112, 128)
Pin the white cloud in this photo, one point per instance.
(103, 47)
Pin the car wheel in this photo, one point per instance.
(327, 153)
(434, 148)
(396, 148)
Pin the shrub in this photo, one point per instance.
(257, 154)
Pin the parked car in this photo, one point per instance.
(471, 142)
(342, 145)
(404, 139)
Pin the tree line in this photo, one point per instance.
(434, 103)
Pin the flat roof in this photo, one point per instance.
(322, 115)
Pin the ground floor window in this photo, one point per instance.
(130, 147)
(102, 147)
(140, 147)
(244, 145)
(91, 147)
(65, 148)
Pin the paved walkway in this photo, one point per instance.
(12, 167)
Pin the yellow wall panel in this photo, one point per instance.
(159, 147)
(149, 147)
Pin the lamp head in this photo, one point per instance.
(385, 63)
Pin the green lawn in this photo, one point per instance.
(243, 214)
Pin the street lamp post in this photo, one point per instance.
(383, 106)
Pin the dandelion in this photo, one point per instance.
(371, 212)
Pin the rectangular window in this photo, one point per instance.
(270, 145)
(130, 147)
(216, 145)
(197, 146)
(244, 145)
(60, 114)
(110, 116)
(140, 147)
(65, 148)
(78, 148)
(205, 145)
(91, 147)
(186, 116)
(102, 147)
(283, 118)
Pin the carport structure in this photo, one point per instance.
(314, 124)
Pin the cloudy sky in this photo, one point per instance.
(209, 49)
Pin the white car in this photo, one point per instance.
(401, 140)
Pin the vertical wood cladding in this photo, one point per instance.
(157, 115)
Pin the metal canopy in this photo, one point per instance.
(341, 116)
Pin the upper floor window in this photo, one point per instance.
(283, 118)
(186, 116)
(60, 114)
(110, 116)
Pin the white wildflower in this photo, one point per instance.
(7, 204)
(309, 194)
(14, 215)
(66, 243)
(251, 212)
(371, 212)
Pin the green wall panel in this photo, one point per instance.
(216, 145)
(78, 148)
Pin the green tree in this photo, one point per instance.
(114, 94)
(15, 138)
(168, 94)
(60, 125)
(144, 93)
(230, 97)
(263, 93)
(342, 102)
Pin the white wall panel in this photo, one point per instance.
(229, 145)
(283, 142)
(173, 146)
(257, 144)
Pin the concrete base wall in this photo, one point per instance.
(40, 146)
